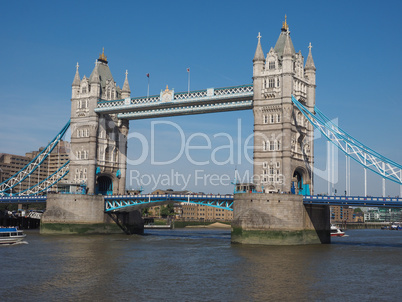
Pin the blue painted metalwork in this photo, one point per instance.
(356, 150)
(20, 176)
(355, 201)
(23, 199)
(131, 202)
(194, 102)
(49, 181)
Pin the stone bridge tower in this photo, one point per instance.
(283, 138)
(98, 141)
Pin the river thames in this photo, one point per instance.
(200, 265)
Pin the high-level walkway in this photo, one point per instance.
(182, 103)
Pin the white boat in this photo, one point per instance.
(336, 232)
(11, 235)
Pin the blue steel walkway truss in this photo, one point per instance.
(182, 103)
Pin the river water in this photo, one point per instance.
(200, 265)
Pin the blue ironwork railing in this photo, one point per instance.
(125, 202)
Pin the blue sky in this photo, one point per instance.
(356, 50)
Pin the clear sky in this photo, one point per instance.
(356, 49)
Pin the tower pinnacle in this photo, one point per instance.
(76, 81)
(126, 87)
(310, 61)
(102, 57)
(259, 54)
(285, 26)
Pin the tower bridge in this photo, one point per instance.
(282, 97)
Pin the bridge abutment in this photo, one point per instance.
(76, 214)
(278, 219)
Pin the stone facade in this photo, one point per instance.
(283, 138)
(76, 214)
(98, 141)
(278, 219)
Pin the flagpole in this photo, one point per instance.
(188, 88)
(148, 85)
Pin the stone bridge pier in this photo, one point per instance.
(278, 219)
(85, 214)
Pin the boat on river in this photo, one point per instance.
(336, 231)
(11, 235)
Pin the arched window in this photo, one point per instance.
(271, 117)
(108, 154)
(264, 146)
(278, 118)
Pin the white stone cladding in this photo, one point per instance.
(283, 138)
(98, 141)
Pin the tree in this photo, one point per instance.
(145, 212)
(167, 210)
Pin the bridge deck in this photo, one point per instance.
(182, 103)
(132, 202)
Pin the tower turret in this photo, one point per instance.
(125, 92)
(76, 84)
(258, 67)
(310, 75)
(94, 81)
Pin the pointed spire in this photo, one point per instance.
(95, 74)
(288, 49)
(259, 54)
(310, 61)
(284, 41)
(77, 80)
(126, 86)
